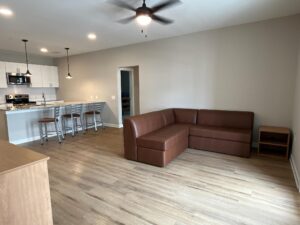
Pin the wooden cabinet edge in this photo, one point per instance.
(27, 193)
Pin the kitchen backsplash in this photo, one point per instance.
(35, 94)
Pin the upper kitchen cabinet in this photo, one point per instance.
(50, 76)
(12, 67)
(3, 82)
(37, 76)
(54, 76)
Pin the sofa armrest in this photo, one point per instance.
(130, 147)
(137, 126)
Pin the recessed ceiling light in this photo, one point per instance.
(44, 50)
(6, 12)
(92, 36)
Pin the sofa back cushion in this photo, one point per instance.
(185, 116)
(146, 123)
(168, 116)
(222, 118)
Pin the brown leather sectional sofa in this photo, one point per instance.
(156, 138)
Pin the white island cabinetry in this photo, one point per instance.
(20, 125)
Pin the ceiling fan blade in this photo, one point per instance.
(122, 4)
(127, 20)
(165, 5)
(161, 19)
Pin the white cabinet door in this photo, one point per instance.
(3, 82)
(36, 77)
(11, 67)
(22, 68)
(50, 76)
(54, 76)
(46, 72)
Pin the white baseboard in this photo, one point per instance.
(26, 140)
(295, 171)
(113, 125)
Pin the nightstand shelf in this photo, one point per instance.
(274, 141)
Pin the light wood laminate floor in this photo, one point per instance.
(92, 184)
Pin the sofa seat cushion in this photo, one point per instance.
(164, 138)
(230, 134)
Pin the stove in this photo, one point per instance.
(19, 99)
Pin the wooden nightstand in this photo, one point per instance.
(274, 141)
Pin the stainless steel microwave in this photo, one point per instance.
(17, 79)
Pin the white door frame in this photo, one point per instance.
(132, 109)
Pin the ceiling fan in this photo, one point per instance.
(144, 15)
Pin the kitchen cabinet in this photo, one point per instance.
(3, 82)
(54, 76)
(12, 67)
(42, 76)
(50, 76)
(37, 76)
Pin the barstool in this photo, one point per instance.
(94, 111)
(73, 114)
(45, 121)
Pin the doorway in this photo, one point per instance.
(128, 92)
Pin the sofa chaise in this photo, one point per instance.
(156, 138)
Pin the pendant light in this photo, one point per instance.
(28, 74)
(69, 76)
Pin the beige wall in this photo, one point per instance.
(247, 67)
(295, 158)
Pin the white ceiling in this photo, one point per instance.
(55, 24)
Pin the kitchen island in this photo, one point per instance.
(24, 187)
(20, 124)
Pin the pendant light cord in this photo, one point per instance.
(25, 42)
(68, 60)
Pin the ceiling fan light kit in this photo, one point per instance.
(144, 20)
(144, 15)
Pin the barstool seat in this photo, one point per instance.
(46, 120)
(92, 112)
(73, 113)
(69, 115)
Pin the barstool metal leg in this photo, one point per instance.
(82, 124)
(102, 124)
(73, 126)
(41, 133)
(64, 126)
(76, 125)
(86, 122)
(57, 133)
(61, 129)
(46, 131)
(95, 122)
